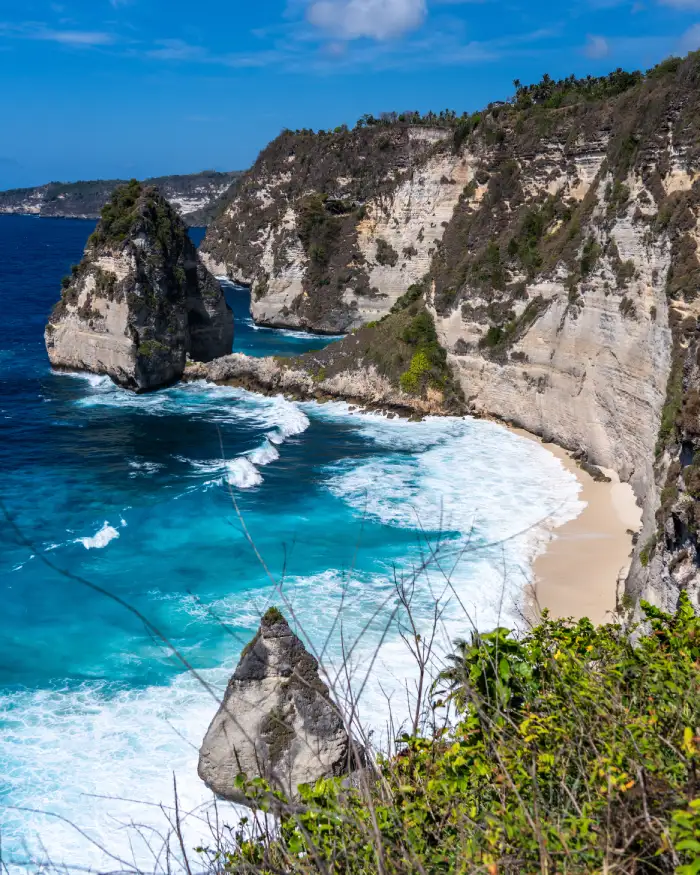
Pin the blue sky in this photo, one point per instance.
(114, 88)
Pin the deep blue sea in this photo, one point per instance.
(156, 499)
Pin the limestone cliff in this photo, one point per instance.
(555, 242)
(276, 721)
(140, 301)
(330, 229)
(560, 288)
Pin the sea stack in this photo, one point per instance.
(277, 720)
(140, 301)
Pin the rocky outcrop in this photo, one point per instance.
(277, 720)
(196, 196)
(140, 301)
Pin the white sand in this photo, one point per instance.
(582, 571)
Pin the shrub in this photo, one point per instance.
(410, 295)
(150, 348)
(386, 254)
(573, 751)
(411, 381)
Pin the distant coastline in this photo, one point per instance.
(197, 196)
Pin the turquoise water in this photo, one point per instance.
(156, 499)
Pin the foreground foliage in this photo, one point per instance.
(575, 750)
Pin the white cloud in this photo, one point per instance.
(35, 31)
(74, 37)
(177, 50)
(596, 47)
(375, 19)
(690, 41)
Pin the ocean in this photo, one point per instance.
(199, 506)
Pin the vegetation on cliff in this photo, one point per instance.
(308, 191)
(403, 347)
(572, 751)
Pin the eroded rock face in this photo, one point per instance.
(140, 300)
(331, 229)
(277, 720)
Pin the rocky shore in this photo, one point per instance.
(366, 388)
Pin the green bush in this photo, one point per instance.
(150, 348)
(411, 380)
(574, 751)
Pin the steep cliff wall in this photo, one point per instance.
(564, 293)
(140, 300)
(330, 229)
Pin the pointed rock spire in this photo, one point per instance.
(277, 720)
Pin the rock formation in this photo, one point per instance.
(556, 242)
(276, 721)
(331, 229)
(141, 300)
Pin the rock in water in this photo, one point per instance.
(277, 720)
(140, 300)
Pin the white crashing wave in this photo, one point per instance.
(140, 468)
(96, 381)
(105, 535)
(264, 455)
(243, 474)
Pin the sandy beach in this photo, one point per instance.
(585, 564)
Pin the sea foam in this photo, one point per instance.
(100, 540)
(243, 474)
(471, 494)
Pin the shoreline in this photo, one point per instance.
(582, 569)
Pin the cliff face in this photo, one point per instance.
(196, 196)
(140, 301)
(560, 291)
(330, 229)
(277, 720)
(555, 243)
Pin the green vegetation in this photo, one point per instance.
(589, 256)
(672, 407)
(429, 361)
(118, 215)
(411, 381)
(647, 551)
(272, 616)
(150, 348)
(499, 338)
(134, 208)
(411, 295)
(386, 254)
(574, 751)
(627, 308)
